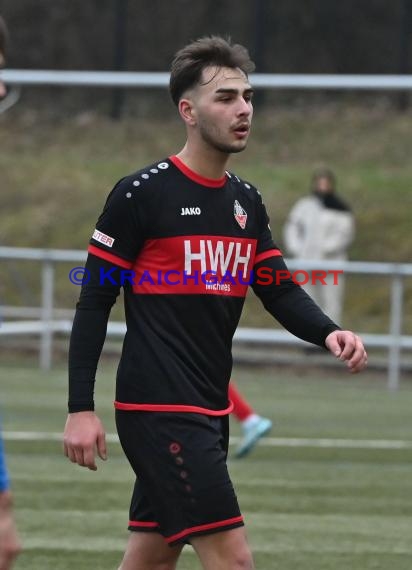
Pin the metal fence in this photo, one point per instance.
(47, 319)
(161, 79)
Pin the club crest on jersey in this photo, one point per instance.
(240, 215)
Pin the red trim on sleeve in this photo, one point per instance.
(203, 527)
(212, 182)
(172, 408)
(143, 524)
(269, 253)
(109, 257)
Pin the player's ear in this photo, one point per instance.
(187, 112)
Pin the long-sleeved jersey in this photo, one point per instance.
(184, 248)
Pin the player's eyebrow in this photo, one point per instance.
(229, 90)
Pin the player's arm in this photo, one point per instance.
(84, 434)
(114, 245)
(300, 315)
(289, 304)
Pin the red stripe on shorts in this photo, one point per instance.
(203, 527)
(143, 524)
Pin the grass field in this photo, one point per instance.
(347, 506)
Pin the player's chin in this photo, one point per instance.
(238, 146)
(230, 145)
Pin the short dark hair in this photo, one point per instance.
(4, 35)
(189, 62)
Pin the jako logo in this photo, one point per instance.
(191, 211)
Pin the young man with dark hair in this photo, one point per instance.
(182, 236)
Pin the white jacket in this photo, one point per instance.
(315, 232)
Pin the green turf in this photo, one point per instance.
(305, 508)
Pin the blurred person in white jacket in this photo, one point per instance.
(321, 227)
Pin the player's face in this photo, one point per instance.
(2, 86)
(222, 104)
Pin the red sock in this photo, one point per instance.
(242, 410)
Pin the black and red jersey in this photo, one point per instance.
(184, 248)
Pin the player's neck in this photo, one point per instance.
(208, 163)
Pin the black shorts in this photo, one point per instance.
(182, 487)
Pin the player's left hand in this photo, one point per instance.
(348, 347)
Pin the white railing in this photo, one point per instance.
(161, 79)
(46, 324)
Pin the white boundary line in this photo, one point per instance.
(329, 443)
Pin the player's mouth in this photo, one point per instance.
(241, 130)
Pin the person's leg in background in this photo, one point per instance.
(253, 425)
(317, 292)
(333, 293)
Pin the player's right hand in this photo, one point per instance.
(84, 436)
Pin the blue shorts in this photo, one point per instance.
(182, 488)
(4, 478)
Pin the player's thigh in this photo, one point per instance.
(226, 550)
(149, 551)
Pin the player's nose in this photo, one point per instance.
(244, 107)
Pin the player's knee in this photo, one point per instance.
(228, 550)
(245, 563)
(242, 559)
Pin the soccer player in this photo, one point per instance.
(182, 237)
(254, 426)
(9, 541)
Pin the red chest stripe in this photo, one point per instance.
(211, 265)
